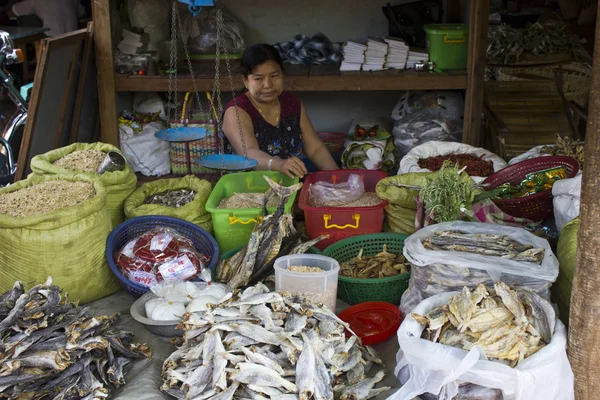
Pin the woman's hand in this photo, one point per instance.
(292, 166)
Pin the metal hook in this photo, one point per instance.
(195, 6)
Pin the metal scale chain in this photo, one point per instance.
(217, 88)
(173, 94)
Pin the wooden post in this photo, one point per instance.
(584, 331)
(478, 27)
(106, 77)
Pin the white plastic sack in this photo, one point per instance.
(326, 193)
(165, 310)
(414, 104)
(434, 272)
(424, 366)
(410, 162)
(148, 103)
(528, 155)
(146, 153)
(408, 135)
(567, 194)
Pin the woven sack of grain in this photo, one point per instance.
(194, 211)
(567, 258)
(67, 244)
(119, 184)
(402, 206)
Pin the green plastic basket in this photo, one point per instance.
(354, 290)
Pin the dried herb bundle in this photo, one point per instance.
(447, 195)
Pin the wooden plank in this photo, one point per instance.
(106, 76)
(47, 115)
(347, 81)
(74, 71)
(81, 85)
(478, 27)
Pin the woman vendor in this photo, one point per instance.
(275, 127)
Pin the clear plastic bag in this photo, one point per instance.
(205, 42)
(434, 272)
(427, 367)
(160, 254)
(330, 194)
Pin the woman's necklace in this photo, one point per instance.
(263, 114)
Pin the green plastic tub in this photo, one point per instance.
(448, 45)
(355, 290)
(233, 227)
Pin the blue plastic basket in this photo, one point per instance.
(134, 227)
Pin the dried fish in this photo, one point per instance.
(382, 265)
(484, 244)
(64, 352)
(565, 146)
(274, 237)
(173, 198)
(259, 363)
(519, 324)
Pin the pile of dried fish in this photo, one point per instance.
(247, 200)
(51, 349)
(173, 198)
(485, 245)
(82, 160)
(507, 325)
(45, 197)
(507, 45)
(259, 344)
(381, 265)
(566, 147)
(274, 237)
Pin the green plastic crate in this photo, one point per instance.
(448, 45)
(354, 290)
(233, 226)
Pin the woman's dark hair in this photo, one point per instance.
(258, 54)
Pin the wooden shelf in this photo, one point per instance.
(305, 78)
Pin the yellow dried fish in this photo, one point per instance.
(382, 265)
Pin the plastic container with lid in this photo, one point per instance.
(448, 45)
(316, 286)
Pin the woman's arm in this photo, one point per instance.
(314, 148)
(291, 166)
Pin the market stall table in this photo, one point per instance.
(144, 380)
(21, 36)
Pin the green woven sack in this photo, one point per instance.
(566, 253)
(67, 244)
(119, 184)
(194, 212)
(401, 210)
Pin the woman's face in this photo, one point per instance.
(265, 83)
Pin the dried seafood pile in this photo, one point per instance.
(485, 245)
(508, 45)
(382, 265)
(260, 344)
(566, 147)
(82, 160)
(274, 237)
(507, 325)
(51, 348)
(368, 199)
(173, 198)
(45, 197)
(247, 200)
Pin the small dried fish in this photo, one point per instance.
(294, 363)
(508, 325)
(381, 265)
(173, 198)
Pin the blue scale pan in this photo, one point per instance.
(181, 134)
(227, 162)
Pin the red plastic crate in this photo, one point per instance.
(341, 222)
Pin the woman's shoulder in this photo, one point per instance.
(241, 102)
(290, 100)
